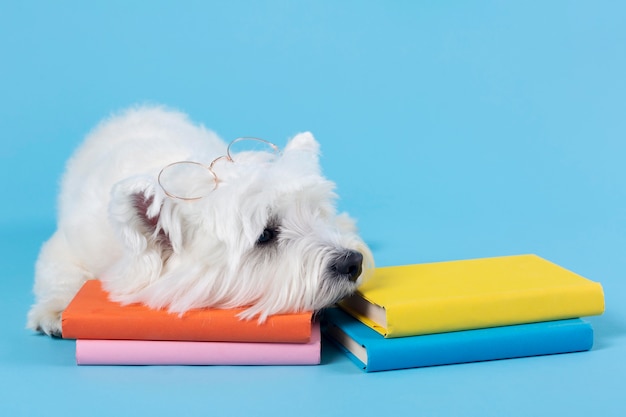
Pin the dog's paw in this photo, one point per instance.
(45, 320)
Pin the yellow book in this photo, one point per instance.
(472, 294)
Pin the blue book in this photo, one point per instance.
(372, 352)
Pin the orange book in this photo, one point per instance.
(91, 315)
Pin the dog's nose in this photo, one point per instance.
(348, 264)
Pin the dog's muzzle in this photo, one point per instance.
(348, 265)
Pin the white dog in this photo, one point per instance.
(256, 229)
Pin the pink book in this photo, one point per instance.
(148, 352)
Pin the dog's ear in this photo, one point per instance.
(303, 151)
(144, 217)
(303, 142)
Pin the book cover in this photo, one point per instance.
(146, 352)
(91, 315)
(472, 294)
(372, 352)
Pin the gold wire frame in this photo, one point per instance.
(172, 195)
(228, 157)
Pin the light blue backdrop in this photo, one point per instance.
(452, 129)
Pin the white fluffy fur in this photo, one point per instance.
(116, 224)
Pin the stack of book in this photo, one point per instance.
(465, 311)
(108, 333)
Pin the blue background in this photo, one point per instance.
(453, 130)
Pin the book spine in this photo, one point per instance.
(507, 342)
(201, 329)
(440, 316)
(143, 352)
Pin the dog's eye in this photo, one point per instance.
(268, 235)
